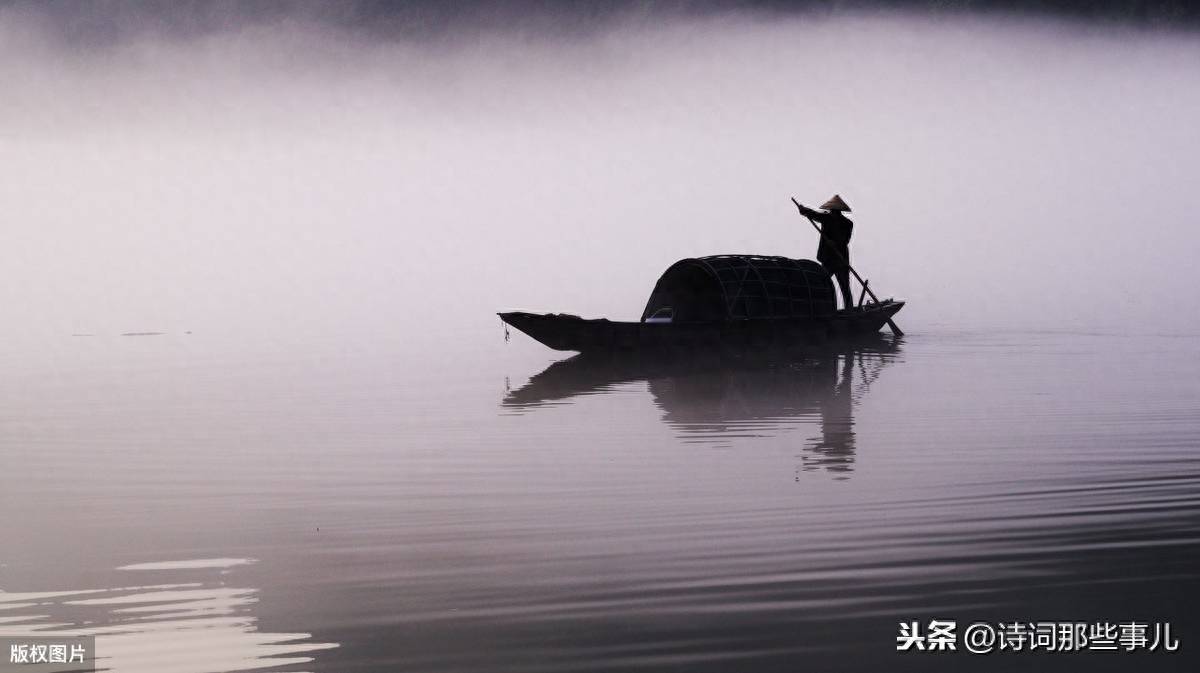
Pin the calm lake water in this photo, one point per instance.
(487, 506)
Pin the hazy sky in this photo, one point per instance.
(291, 176)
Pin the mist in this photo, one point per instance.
(290, 177)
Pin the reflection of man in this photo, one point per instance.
(834, 251)
(835, 448)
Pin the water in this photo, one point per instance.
(486, 507)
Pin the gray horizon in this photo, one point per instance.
(292, 177)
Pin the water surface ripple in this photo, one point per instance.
(765, 514)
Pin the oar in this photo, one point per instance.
(891, 323)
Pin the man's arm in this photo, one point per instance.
(809, 212)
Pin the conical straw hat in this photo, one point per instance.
(836, 203)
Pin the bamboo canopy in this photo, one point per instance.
(738, 287)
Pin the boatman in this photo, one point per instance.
(834, 251)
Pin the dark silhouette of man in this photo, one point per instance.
(834, 251)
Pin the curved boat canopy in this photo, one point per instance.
(738, 287)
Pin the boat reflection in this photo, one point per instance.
(181, 627)
(721, 400)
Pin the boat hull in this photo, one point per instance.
(571, 333)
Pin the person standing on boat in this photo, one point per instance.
(834, 251)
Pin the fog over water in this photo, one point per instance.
(288, 178)
(315, 449)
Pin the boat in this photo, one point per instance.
(719, 301)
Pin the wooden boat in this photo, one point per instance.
(719, 301)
